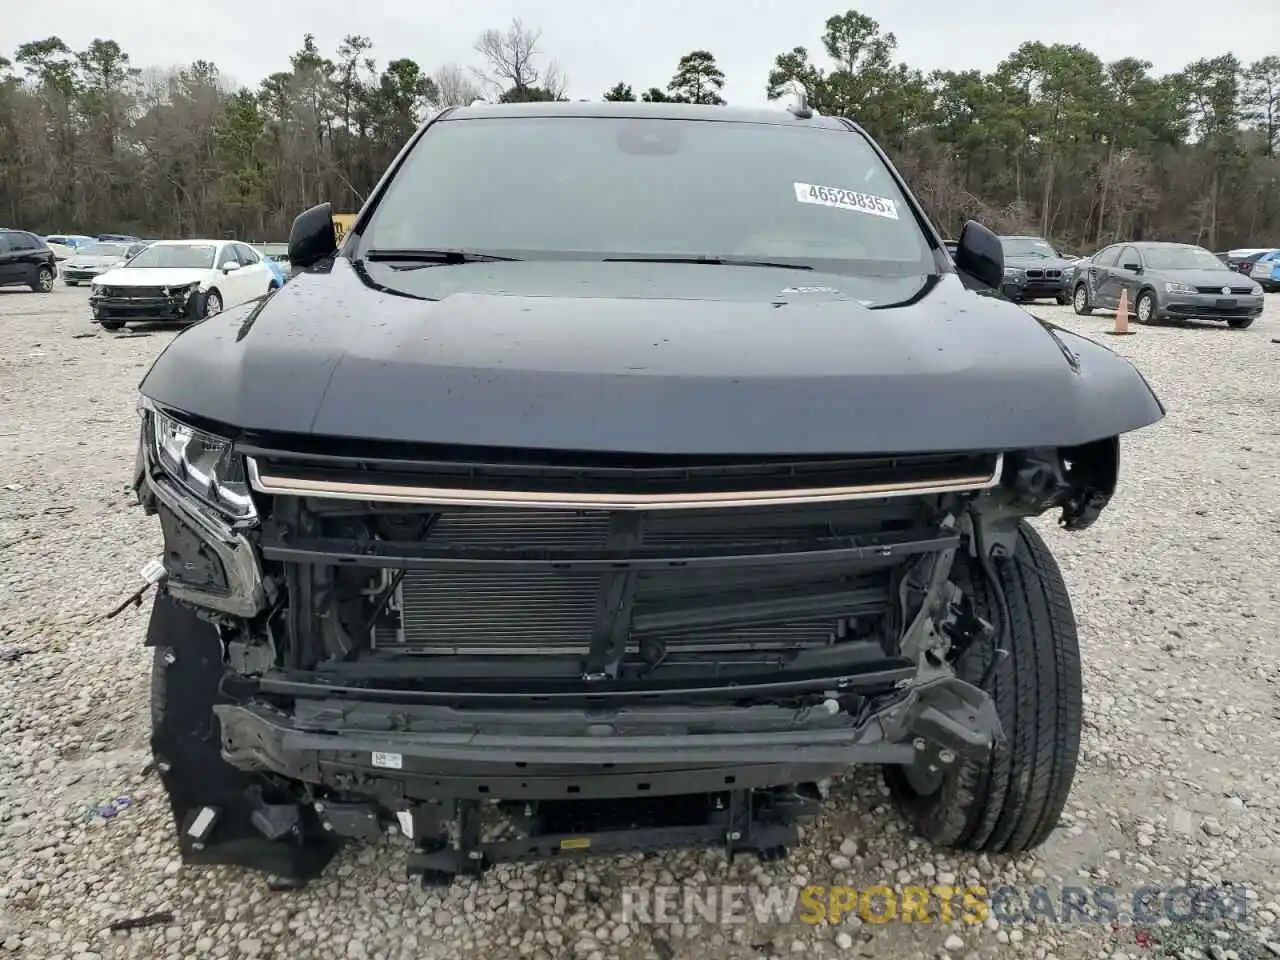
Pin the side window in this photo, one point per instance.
(5, 245)
(23, 241)
(248, 256)
(1129, 255)
(228, 255)
(1108, 257)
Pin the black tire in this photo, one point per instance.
(1011, 802)
(43, 283)
(1062, 299)
(1240, 323)
(1146, 298)
(1080, 300)
(212, 303)
(72, 283)
(111, 324)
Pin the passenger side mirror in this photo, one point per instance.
(1135, 267)
(230, 266)
(313, 237)
(980, 255)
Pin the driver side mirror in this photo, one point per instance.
(980, 255)
(313, 238)
(229, 267)
(1135, 267)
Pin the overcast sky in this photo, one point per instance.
(601, 42)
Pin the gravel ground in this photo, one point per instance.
(1175, 589)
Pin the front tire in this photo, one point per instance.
(1240, 323)
(1080, 300)
(1144, 310)
(111, 325)
(44, 280)
(212, 303)
(1010, 801)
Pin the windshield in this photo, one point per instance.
(1181, 258)
(105, 250)
(594, 188)
(186, 255)
(1026, 247)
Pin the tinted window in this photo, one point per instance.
(5, 246)
(593, 188)
(23, 241)
(1027, 247)
(197, 256)
(1107, 257)
(1182, 258)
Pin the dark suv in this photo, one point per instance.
(591, 490)
(1034, 270)
(26, 261)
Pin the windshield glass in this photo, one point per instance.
(1181, 258)
(186, 255)
(1026, 247)
(593, 188)
(104, 250)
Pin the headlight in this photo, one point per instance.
(182, 288)
(1179, 288)
(1013, 273)
(203, 464)
(1257, 290)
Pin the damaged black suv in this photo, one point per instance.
(627, 472)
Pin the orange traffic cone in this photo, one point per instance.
(1122, 316)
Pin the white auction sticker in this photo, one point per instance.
(389, 761)
(847, 200)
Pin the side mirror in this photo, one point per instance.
(1135, 267)
(229, 267)
(980, 255)
(313, 237)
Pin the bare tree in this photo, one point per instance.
(454, 87)
(511, 62)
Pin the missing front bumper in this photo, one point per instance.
(391, 752)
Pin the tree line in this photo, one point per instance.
(1053, 141)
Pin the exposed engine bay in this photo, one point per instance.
(408, 642)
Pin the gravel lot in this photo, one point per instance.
(1176, 592)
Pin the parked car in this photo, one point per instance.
(1033, 270)
(118, 238)
(279, 268)
(1266, 271)
(578, 502)
(60, 251)
(96, 259)
(73, 240)
(1167, 281)
(1243, 260)
(180, 280)
(26, 261)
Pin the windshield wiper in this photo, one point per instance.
(714, 261)
(416, 259)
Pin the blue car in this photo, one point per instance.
(1266, 271)
(277, 272)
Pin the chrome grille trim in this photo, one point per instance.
(457, 497)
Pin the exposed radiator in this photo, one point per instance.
(445, 612)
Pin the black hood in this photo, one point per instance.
(648, 358)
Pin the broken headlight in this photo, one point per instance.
(203, 464)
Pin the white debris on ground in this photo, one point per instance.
(1177, 590)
